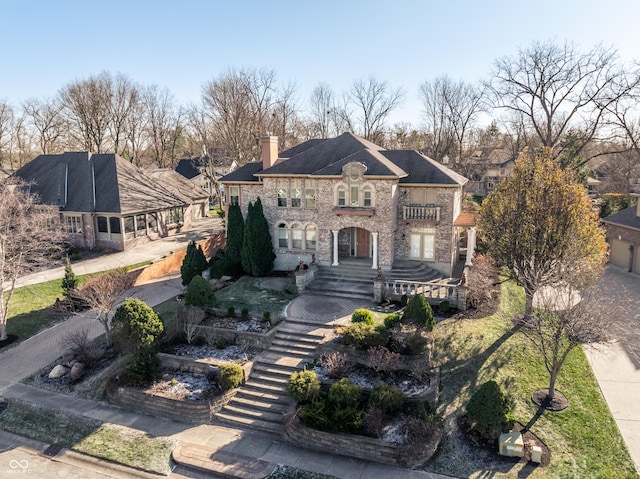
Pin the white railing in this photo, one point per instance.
(433, 291)
(421, 212)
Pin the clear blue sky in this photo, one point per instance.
(182, 44)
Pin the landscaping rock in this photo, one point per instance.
(58, 371)
(77, 371)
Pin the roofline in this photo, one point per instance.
(438, 185)
(240, 182)
(621, 225)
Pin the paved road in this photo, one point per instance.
(616, 364)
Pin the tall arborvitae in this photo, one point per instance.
(69, 281)
(235, 234)
(194, 263)
(257, 246)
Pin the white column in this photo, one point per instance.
(471, 244)
(375, 250)
(335, 247)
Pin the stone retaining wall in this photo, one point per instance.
(360, 447)
(245, 339)
(196, 366)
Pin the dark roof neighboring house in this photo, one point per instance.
(188, 167)
(327, 158)
(88, 183)
(178, 185)
(627, 218)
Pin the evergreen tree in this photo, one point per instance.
(257, 246)
(233, 248)
(194, 263)
(69, 281)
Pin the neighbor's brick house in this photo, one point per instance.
(347, 197)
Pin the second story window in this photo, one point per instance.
(354, 196)
(366, 193)
(283, 192)
(310, 194)
(296, 193)
(342, 196)
(234, 195)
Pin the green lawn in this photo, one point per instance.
(108, 441)
(584, 439)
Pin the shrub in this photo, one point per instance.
(144, 366)
(391, 320)
(84, 350)
(373, 421)
(403, 300)
(266, 316)
(337, 364)
(480, 280)
(217, 269)
(220, 343)
(443, 306)
(187, 320)
(344, 394)
(231, 311)
(200, 293)
(364, 336)
(69, 281)
(362, 316)
(346, 419)
(489, 411)
(422, 410)
(135, 327)
(303, 386)
(386, 397)
(230, 376)
(382, 360)
(418, 311)
(244, 313)
(317, 416)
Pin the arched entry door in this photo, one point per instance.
(355, 243)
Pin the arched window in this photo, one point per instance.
(310, 237)
(283, 236)
(296, 236)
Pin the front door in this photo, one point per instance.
(362, 243)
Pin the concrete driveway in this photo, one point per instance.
(616, 364)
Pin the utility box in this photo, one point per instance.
(511, 444)
(536, 454)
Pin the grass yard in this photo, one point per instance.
(584, 439)
(108, 441)
(248, 292)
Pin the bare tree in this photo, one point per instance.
(557, 88)
(30, 237)
(373, 101)
(124, 97)
(564, 318)
(438, 116)
(285, 116)
(164, 124)
(240, 106)
(88, 106)
(322, 112)
(6, 120)
(47, 117)
(103, 292)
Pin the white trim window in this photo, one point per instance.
(310, 194)
(296, 193)
(73, 224)
(283, 236)
(283, 192)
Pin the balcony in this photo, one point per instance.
(353, 211)
(421, 213)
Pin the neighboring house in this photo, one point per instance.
(488, 167)
(623, 234)
(195, 170)
(182, 188)
(105, 201)
(347, 197)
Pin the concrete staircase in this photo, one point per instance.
(353, 277)
(262, 403)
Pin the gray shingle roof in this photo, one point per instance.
(327, 157)
(626, 217)
(67, 180)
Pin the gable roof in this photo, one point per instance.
(327, 157)
(178, 185)
(188, 167)
(627, 218)
(90, 183)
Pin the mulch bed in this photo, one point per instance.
(558, 403)
(529, 438)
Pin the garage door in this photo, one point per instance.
(619, 253)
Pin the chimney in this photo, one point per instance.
(269, 148)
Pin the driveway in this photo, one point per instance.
(616, 364)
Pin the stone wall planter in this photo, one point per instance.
(361, 447)
(246, 339)
(196, 366)
(418, 362)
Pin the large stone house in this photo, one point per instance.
(347, 197)
(623, 235)
(108, 203)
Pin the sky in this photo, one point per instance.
(181, 45)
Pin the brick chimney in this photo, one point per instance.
(269, 148)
